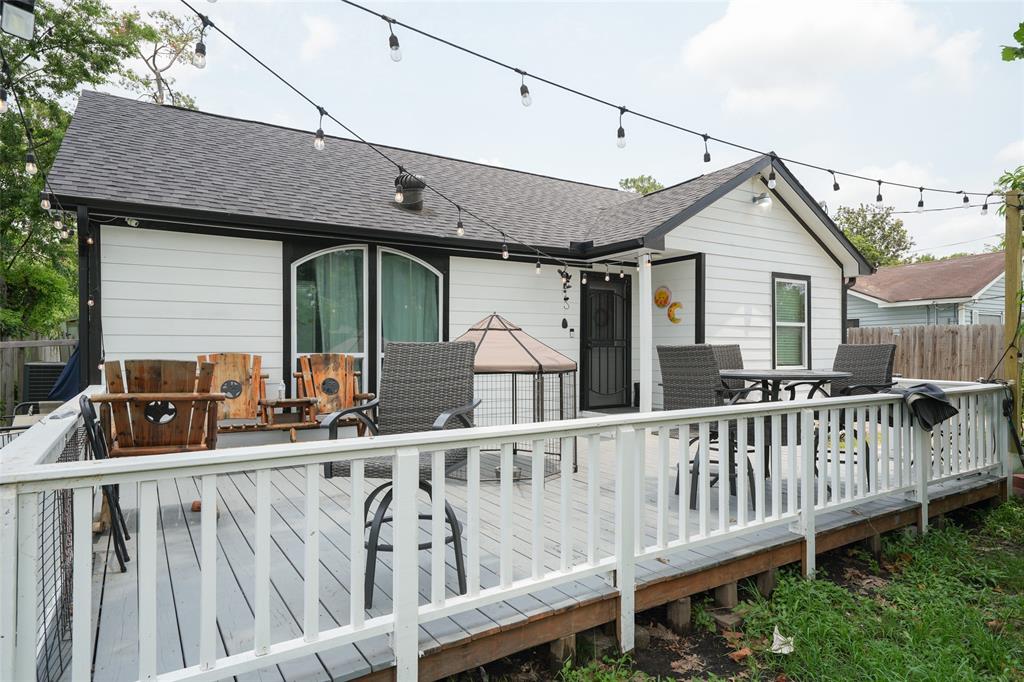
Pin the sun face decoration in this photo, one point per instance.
(662, 296)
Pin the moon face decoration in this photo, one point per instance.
(675, 313)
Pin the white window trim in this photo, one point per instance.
(776, 324)
(380, 318)
(294, 313)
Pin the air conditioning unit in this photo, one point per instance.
(37, 379)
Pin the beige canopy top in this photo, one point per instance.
(504, 347)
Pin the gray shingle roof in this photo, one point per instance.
(124, 152)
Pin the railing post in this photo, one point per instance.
(405, 588)
(922, 459)
(625, 525)
(8, 579)
(27, 601)
(807, 522)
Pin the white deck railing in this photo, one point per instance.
(824, 471)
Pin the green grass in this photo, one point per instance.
(953, 610)
(607, 670)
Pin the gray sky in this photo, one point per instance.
(912, 92)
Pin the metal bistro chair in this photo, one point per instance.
(423, 387)
(98, 444)
(691, 379)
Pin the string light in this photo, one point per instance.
(64, 233)
(583, 277)
(771, 174)
(44, 201)
(878, 197)
(536, 271)
(920, 200)
(835, 183)
(707, 154)
(524, 92)
(318, 139)
(57, 224)
(621, 134)
(89, 240)
(459, 229)
(598, 100)
(607, 275)
(199, 57)
(967, 199)
(984, 206)
(90, 303)
(30, 164)
(622, 274)
(396, 49)
(3, 101)
(504, 248)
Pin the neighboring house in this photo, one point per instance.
(213, 234)
(964, 290)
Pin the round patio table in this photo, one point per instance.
(771, 379)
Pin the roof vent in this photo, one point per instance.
(409, 191)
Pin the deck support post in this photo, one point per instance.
(806, 501)
(625, 527)
(563, 649)
(727, 595)
(1011, 298)
(923, 462)
(874, 545)
(679, 616)
(766, 582)
(405, 576)
(646, 322)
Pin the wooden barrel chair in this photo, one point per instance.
(238, 376)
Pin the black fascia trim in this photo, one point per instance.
(659, 232)
(865, 267)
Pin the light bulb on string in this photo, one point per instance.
(318, 139)
(984, 206)
(3, 101)
(90, 303)
(396, 49)
(771, 175)
(878, 197)
(44, 202)
(622, 274)
(835, 183)
(536, 270)
(199, 57)
(504, 247)
(920, 200)
(31, 167)
(607, 275)
(967, 199)
(459, 229)
(707, 154)
(524, 92)
(620, 139)
(64, 234)
(583, 278)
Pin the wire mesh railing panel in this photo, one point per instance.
(55, 566)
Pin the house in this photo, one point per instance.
(962, 290)
(202, 233)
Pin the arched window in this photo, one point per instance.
(409, 298)
(329, 292)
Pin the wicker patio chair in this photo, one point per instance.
(691, 380)
(423, 387)
(98, 445)
(730, 356)
(870, 366)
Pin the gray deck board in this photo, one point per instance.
(179, 553)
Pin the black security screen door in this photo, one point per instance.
(606, 342)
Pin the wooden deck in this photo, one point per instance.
(448, 645)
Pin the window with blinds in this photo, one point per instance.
(790, 312)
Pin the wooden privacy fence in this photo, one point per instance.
(14, 355)
(948, 351)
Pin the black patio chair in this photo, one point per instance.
(423, 387)
(98, 445)
(690, 379)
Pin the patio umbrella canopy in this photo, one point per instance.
(518, 380)
(502, 346)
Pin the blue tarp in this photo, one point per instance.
(66, 386)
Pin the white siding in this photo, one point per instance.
(679, 277)
(176, 295)
(744, 245)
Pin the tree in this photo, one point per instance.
(641, 184)
(876, 233)
(166, 41)
(78, 43)
(931, 258)
(1012, 52)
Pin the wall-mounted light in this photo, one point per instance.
(762, 200)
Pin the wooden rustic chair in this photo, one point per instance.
(160, 406)
(326, 383)
(238, 376)
(423, 387)
(98, 445)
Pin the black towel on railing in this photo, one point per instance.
(928, 403)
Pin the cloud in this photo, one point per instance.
(793, 54)
(1012, 153)
(321, 35)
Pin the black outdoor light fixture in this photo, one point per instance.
(17, 18)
